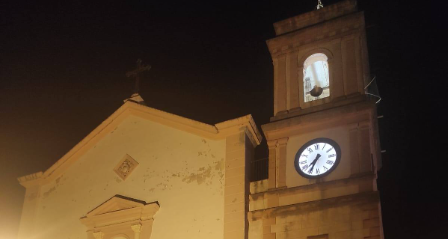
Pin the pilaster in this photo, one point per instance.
(277, 163)
(137, 228)
(98, 235)
(281, 162)
(267, 224)
(239, 151)
(32, 183)
(272, 169)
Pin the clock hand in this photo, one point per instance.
(314, 162)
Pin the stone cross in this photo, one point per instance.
(136, 73)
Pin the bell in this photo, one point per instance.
(316, 91)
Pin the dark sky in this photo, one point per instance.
(63, 65)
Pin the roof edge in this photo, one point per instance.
(216, 132)
(247, 122)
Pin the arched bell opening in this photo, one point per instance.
(316, 80)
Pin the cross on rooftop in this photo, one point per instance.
(136, 73)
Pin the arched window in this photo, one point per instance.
(316, 81)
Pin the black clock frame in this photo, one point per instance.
(318, 140)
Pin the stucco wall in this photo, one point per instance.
(183, 172)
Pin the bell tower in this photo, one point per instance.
(323, 139)
(324, 48)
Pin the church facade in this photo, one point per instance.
(144, 173)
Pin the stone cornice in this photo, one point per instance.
(333, 29)
(353, 113)
(335, 103)
(314, 17)
(217, 132)
(357, 180)
(245, 123)
(31, 179)
(314, 205)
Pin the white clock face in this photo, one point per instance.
(317, 158)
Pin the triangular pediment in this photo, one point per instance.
(114, 204)
(214, 132)
(120, 211)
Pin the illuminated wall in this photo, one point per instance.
(183, 172)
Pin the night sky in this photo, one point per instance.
(63, 66)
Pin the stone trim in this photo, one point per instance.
(290, 196)
(277, 163)
(121, 216)
(335, 29)
(239, 152)
(29, 209)
(218, 132)
(272, 164)
(347, 114)
(335, 103)
(315, 17)
(361, 198)
(281, 162)
(31, 179)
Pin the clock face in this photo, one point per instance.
(317, 158)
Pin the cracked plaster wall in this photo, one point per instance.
(183, 172)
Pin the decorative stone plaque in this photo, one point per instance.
(125, 167)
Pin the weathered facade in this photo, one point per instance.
(145, 173)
